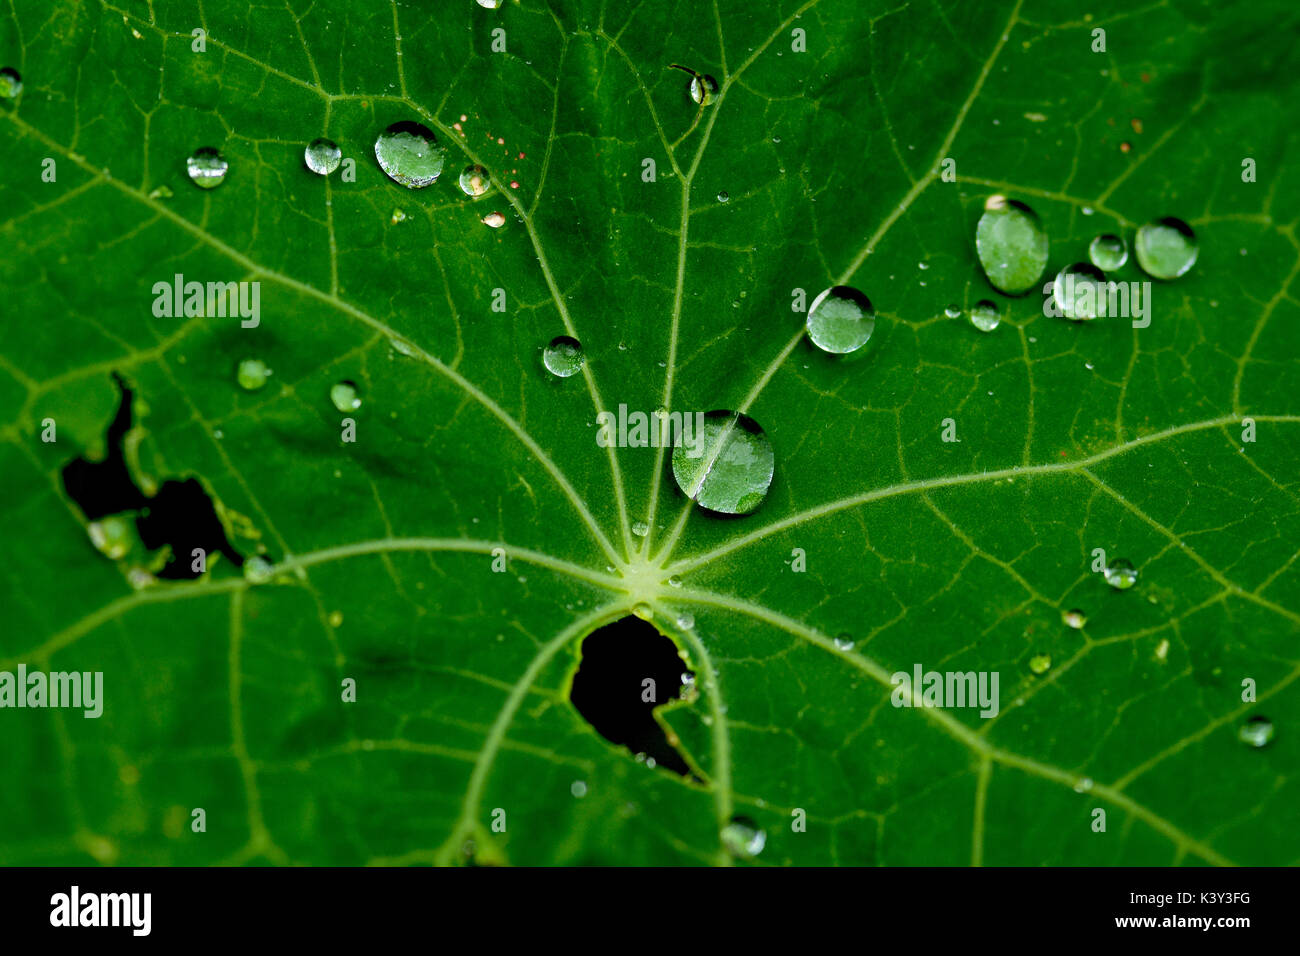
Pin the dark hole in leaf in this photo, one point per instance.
(181, 515)
(610, 689)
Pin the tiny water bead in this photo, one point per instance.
(643, 611)
(475, 181)
(844, 642)
(563, 357)
(953, 311)
(703, 89)
(1165, 249)
(841, 320)
(111, 536)
(252, 374)
(640, 529)
(258, 570)
(494, 219)
(322, 156)
(1011, 244)
(207, 168)
(743, 837)
(344, 396)
(1256, 732)
(732, 465)
(1079, 291)
(161, 192)
(11, 84)
(409, 153)
(1108, 252)
(1121, 575)
(1074, 618)
(579, 787)
(1040, 663)
(685, 621)
(724, 196)
(984, 316)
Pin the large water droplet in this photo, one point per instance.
(344, 396)
(1165, 249)
(1011, 245)
(322, 156)
(409, 153)
(732, 467)
(1079, 290)
(984, 316)
(207, 168)
(11, 84)
(1108, 252)
(1256, 732)
(841, 320)
(703, 89)
(1120, 574)
(475, 181)
(490, 4)
(252, 374)
(743, 837)
(563, 357)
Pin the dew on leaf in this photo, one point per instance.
(344, 396)
(409, 153)
(723, 196)
(111, 536)
(703, 89)
(578, 789)
(1165, 249)
(743, 837)
(844, 642)
(841, 320)
(674, 582)
(685, 621)
(984, 316)
(258, 570)
(732, 467)
(494, 219)
(1011, 244)
(475, 181)
(207, 167)
(252, 374)
(161, 192)
(1074, 618)
(322, 156)
(1108, 252)
(563, 356)
(1121, 575)
(11, 83)
(643, 611)
(953, 311)
(1256, 732)
(1040, 663)
(1079, 290)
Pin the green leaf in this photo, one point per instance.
(879, 547)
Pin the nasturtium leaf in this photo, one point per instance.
(426, 526)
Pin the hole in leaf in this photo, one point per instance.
(180, 516)
(613, 693)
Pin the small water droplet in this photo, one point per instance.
(1121, 575)
(643, 611)
(1011, 244)
(405, 348)
(322, 156)
(563, 357)
(409, 153)
(685, 621)
(111, 536)
(732, 465)
(494, 219)
(1165, 249)
(399, 215)
(1040, 663)
(161, 192)
(344, 396)
(743, 837)
(844, 642)
(1083, 785)
(1108, 252)
(723, 196)
(841, 320)
(1079, 291)
(475, 181)
(703, 89)
(640, 529)
(1086, 210)
(258, 570)
(207, 168)
(1074, 618)
(1256, 732)
(984, 316)
(252, 374)
(578, 788)
(11, 83)
(953, 311)
(674, 582)
(490, 4)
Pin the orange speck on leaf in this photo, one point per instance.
(1125, 147)
(1137, 125)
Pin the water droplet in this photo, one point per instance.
(844, 642)
(207, 168)
(643, 611)
(475, 181)
(723, 196)
(841, 320)
(1086, 210)
(258, 570)
(494, 219)
(1074, 618)
(674, 582)
(399, 215)
(1011, 244)
(703, 89)
(640, 529)
(1040, 663)
(732, 467)
(252, 374)
(1121, 575)
(984, 316)
(11, 84)
(1256, 732)
(1165, 249)
(344, 396)
(112, 536)
(1079, 290)
(743, 837)
(953, 312)
(1108, 252)
(409, 153)
(322, 156)
(404, 347)
(1083, 785)
(685, 621)
(563, 357)
(161, 192)
(578, 788)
